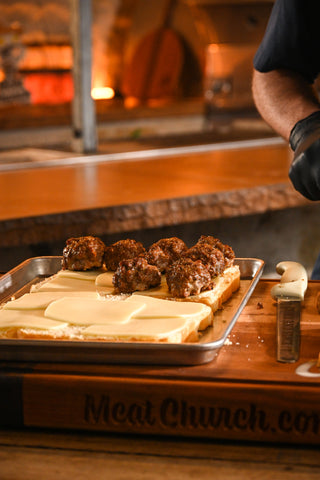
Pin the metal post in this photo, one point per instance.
(83, 107)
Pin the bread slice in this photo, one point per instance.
(140, 318)
(224, 286)
(31, 316)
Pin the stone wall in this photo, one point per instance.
(290, 234)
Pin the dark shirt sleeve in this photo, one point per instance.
(292, 39)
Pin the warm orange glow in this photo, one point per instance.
(131, 102)
(99, 93)
(48, 87)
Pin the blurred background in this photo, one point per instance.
(160, 68)
(157, 74)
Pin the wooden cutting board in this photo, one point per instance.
(243, 394)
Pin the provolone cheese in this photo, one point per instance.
(40, 300)
(83, 305)
(160, 291)
(64, 284)
(105, 280)
(151, 330)
(85, 311)
(28, 319)
(160, 308)
(89, 275)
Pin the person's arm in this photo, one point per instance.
(290, 106)
(283, 98)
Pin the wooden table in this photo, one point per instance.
(64, 454)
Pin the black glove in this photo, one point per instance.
(304, 171)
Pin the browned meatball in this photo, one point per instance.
(227, 251)
(122, 250)
(215, 242)
(83, 253)
(186, 277)
(135, 274)
(210, 256)
(229, 255)
(165, 251)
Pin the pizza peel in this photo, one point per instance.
(155, 67)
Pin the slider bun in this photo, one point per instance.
(86, 285)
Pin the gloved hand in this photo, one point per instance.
(304, 171)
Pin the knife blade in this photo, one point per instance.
(289, 294)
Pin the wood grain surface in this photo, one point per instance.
(45, 191)
(27, 455)
(30, 453)
(243, 394)
(99, 197)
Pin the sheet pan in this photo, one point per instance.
(19, 280)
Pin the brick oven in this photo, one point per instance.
(150, 59)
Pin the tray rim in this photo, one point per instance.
(94, 349)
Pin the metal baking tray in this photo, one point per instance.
(19, 280)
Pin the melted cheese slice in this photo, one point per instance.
(100, 277)
(105, 280)
(40, 300)
(86, 311)
(69, 300)
(28, 319)
(89, 275)
(160, 291)
(143, 330)
(63, 284)
(160, 308)
(59, 283)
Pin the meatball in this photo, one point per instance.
(135, 274)
(122, 250)
(210, 256)
(187, 277)
(215, 242)
(166, 251)
(83, 253)
(227, 251)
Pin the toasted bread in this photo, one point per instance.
(133, 318)
(224, 286)
(83, 305)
